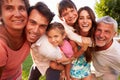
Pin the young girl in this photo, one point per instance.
(57, 37)
(86, 26)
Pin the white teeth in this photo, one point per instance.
(100, 39)
(32, 35)
(18, 21)
(85, 25)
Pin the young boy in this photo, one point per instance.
(68, 11)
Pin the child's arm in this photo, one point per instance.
(64, 59)
(67, 71)
(56, 66)
(74, 36)
(77, 52)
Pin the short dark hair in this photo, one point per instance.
(43, 9)
(64, 4)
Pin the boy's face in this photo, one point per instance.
(70, 15)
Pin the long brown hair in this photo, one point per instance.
(88, 52)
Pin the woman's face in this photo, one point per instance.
(14, 14)
(84, 21)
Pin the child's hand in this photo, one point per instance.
(87, 41)
(84, 46)
(62, 75)
(64, 59)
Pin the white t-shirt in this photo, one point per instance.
(107, 62)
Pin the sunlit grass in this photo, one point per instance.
(26, 68)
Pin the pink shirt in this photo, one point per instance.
(67, 49)
(12, 60)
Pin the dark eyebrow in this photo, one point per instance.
(32, 20)
(44, 25)
(7, 5)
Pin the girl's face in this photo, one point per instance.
(70, 15)
(84, 21)
(14, 14)
(55, 37)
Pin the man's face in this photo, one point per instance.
(70, 15)
(104, 34)
(36, 26)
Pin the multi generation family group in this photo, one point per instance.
(61, 50)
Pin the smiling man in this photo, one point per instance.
(106, 58)
(39, 18)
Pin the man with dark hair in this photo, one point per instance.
(39, 18)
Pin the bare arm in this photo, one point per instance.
(77, 52)
(57, 66)
(74, 36)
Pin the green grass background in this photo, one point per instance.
(26, 69)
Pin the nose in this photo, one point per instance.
(70, 14)
(36, 29)
(53, 39)
(17, 13)
(84, 20)
(101, 34)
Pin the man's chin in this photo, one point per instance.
(31, 40)
(100, 45)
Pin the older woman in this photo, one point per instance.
(13, 45)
